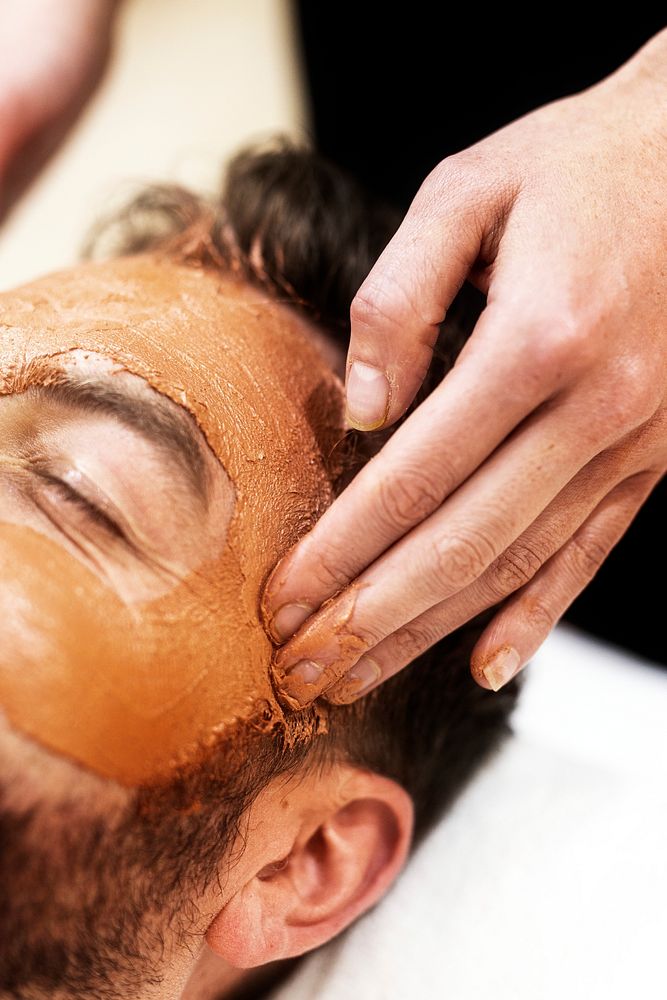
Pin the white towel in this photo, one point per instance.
(548, 878)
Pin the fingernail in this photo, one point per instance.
(367, 391)
(363, 675)
(305, 670)
(288, 619)
(501, 667)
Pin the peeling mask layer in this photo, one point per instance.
(133, 689)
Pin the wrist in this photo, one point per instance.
(632, 101)
(646, 70)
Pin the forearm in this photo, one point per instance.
(52, 57)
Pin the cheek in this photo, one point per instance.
(129, 692)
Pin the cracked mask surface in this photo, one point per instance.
(129, 678)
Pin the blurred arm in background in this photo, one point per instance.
(52, 57)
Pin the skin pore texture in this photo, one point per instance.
(134, 657)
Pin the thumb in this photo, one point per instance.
(397, 312)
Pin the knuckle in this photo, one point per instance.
(374, 308)
(539, 616)
(561, 344)
(444, 184)
(365, 310)
(457, 175)
(406, 499)
(468, 186)
(514, 568)
(366, 635)
(587, 553)
(458, 560)
(634, 394)
(439, 181)
(330, 572)
(388, 299)
(413, 639)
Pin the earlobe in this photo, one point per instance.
(339, 866)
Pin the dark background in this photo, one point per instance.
(394, 93)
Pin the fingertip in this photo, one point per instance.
(271, 598)
(498, 668)
(368, 396)
(359, 681)
(288, 619)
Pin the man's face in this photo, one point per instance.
(134, 539)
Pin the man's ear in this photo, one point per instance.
(342, 855)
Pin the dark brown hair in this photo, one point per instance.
(301, 228)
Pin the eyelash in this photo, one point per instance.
(91, 510)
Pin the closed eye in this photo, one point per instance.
(89, 525)
(70, 510)
(113, 492)
(72, 496)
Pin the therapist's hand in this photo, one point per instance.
(52, 55)
(520, 472)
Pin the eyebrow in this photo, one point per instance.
(158, 419)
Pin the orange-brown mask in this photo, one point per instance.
(131, 681)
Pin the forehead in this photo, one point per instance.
(243, 365)
(233, 357)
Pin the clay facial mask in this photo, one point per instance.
(165, 435)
